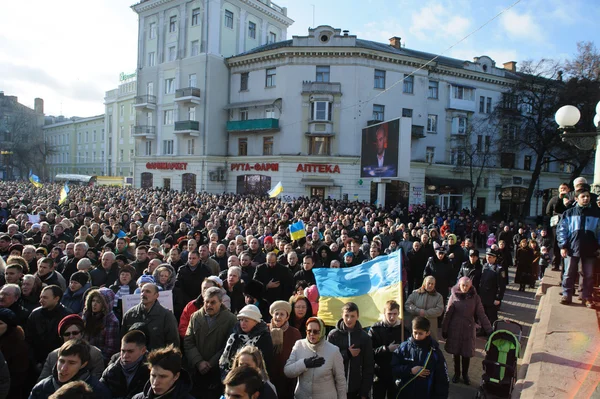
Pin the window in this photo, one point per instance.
(459, 125)
(267, 145)
(195, 48)
(271, 75)
(509, 101)
(272, 37)
(322, 73)
(319, 145)
(433, 92)
(192, 113)
(321, 111)
(121, 132)
(228, 19)
(408, 84)
(244, 81)
(121, 155)
(87, 137)
(190, 147)
(378, 112)
(130, 155)
(102, 136)
(151, 59)
(242, 146)
(252, 30)
(488, 143)
(509, 132)
(121, 111)
(172, 23)
(481, 104)
(379, 79)
(507, 160)
(109, 146)
(148, 148)
(429, 154)
(170, 86)
(486, 182)
(270, 113)
(479, 142)
(488, 105)
(546, 164)
(195, 16)
(168, 147)
(463, 93)
(87, 155)
(79, 137)
(149, 119)
(152, 30)
(407, 112)
(150, 88)
(94, 136)
(527, 162)
(192, 80)
(243, 114)
(431, 123)
(172, 53)
(102, 155)
(458, 157)
(168, 117)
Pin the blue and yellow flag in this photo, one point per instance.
(297, 230)
(64, 192)
(275, 191)
(35, 180)
(369, 285)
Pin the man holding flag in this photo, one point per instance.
(64, 192)
(35, 180)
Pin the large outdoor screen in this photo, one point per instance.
(379, 151)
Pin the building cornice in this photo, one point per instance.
(257, 5)
(144, 6)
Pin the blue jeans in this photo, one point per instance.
(572, 273)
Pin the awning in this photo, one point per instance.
(447, 182)
(248, 104)
(321, 181)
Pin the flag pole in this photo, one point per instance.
(401, 293)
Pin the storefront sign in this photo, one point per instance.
(123, 76)
(317, 168)
(265, 167)
(167, 165)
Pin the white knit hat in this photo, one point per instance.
(216, 280)
(250, 312)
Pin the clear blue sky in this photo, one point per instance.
(69, 53)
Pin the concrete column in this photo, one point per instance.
(241, 45)
(381, 195)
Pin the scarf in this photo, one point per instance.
(129, 370)
(237, 340)
(321, 334)
(277, 336)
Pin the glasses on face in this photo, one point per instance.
(71, 334)
(313, 332)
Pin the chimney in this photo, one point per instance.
(346, 32)
(395, 42)
(38, 106)
(510, 66)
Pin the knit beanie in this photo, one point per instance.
(68, 321)
(81, 277)
(8, 317)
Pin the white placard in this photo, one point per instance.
(165, 298)
(34, 218)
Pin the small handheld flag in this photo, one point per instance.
(275, 191)
(35, 180)
(64, 192)
(297, 230)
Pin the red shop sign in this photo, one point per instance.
(318, 168)
(264, 167)
(167, 165)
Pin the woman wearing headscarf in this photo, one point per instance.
(14, 349)
(317, 364)
(284, 337)
(427, 302)
(249, 330)
(164, 276)
(101, 325)
(325, 256)
(301, 312)
(459, 326)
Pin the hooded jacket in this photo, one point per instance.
(108, 339)
(74, 300)
(579, 231)
(170, 282)
(359, 369)
(181, 390)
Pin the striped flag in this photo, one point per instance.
(297, 230)
(35, 180)
(275, 191)
(64, 192)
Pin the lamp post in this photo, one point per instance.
(567, 117)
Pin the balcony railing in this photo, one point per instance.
(187, 127)
(144, 131)
(322, 87)
(417, 132)
(145, 101)
(253, 125)
(188, 92)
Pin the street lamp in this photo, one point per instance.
(567, 117)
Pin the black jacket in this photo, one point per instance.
(305, 275)
(47, 386)
(472, 271)
(444, 275)
(114, 379)
(382, 335)
(101, 278)
(189, 281)
(21, 313)
(183, 386)
(42, 331)
(264, 273)
(360, 369)
(492, 285)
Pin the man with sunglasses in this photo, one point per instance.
(71, 327)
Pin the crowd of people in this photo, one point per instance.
(241, 320)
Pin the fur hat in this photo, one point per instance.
(250, 312)
(254, 289)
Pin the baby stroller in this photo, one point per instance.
(500, 364)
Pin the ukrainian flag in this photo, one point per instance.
(64, 192)
(297, 230)
(35, 180)
(275, 191)
(369, 285)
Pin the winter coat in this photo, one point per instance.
(579, 231)
(47, 386)
(204, 343)
(492, 285)
(190, 281)
(325, 382)
(41, 333)
(182, 389)
(359, 369)
(5, 379)
(432, 303)
(14, 349)
(459, 322)
(116, 382)
(236, 295)
(101, 277)
(108, 339)
(285, 386)
(95, 365)
(170, 282)
(20, 312)
(259, 336)
(74, 300)
(160, 322)
(417, 261)
(118, 308)
(413, 353)
(382, 335)
(524, 263)
(443, 273)
(472, 271)
(264, 273)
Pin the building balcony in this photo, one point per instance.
(257, 125)
(332, 88)
(461, 105)
(417, 132)
(145, 101)
(191, 128)
(143, 131)
(320, 128)
(188, 95)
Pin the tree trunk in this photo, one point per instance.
(539, 160)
